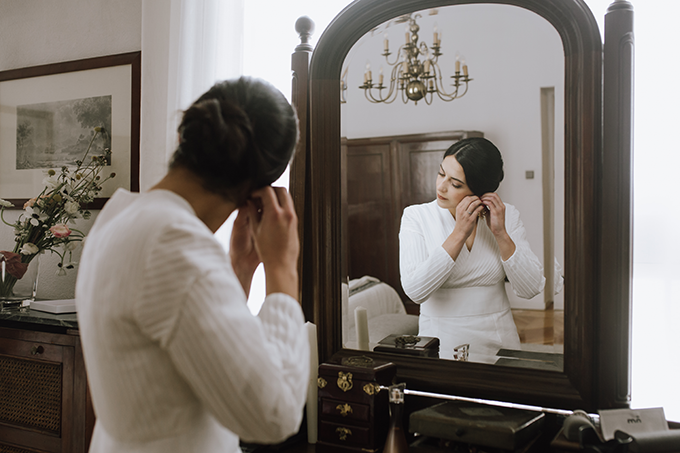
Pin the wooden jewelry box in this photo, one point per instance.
(353, 411)
(409, 345)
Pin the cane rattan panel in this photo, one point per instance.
(30, 394)
(10, 449)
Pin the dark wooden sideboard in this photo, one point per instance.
(44, 400)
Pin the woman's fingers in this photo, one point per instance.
(276, 239)
(496, 219)
(267, 198)
(283, 197)
(474, 205)
(275, 231)
(492, 200)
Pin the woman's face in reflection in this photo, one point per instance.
(451, 184)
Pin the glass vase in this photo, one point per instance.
(18, 292)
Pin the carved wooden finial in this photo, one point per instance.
(305, 27)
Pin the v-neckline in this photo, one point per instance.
(448, 213)
(473, 235)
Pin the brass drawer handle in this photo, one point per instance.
(36, 350)
(343, 432)
(372, 388)
(345, 409)
(345, 381)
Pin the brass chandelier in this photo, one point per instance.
(417, 80)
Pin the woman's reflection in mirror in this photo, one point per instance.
(457, 251)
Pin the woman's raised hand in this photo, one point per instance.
(273, 228)
(244, 257)
(467, 211)
(495, 217)
(495, 220)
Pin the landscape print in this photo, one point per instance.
(54, 134)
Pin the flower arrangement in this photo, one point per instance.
(44, 224)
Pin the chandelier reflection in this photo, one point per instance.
(415, 72)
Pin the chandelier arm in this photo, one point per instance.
(394, 81)
(389, 101)
(404, 98)
(438, 83)
(447, 96)
(368, 93)
(466, 90)
(369, 96)
(396, 60)
(439, 86)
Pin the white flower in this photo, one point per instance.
(29, 249)
(35, 215)
(5, 203)
(61, 272)
(71, 208)
(51, 182)
(70, 246)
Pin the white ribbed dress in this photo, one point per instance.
(464, 301)
(175, 360)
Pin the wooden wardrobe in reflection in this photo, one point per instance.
(384, 175)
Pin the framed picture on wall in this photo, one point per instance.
(48, 114)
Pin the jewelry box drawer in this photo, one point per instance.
(345, 434)
(344, 410)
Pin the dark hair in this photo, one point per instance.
(237, 137)
(481, 162)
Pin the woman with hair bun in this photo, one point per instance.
(174, 358)
(456, 252)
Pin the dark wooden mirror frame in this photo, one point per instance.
(597, 234)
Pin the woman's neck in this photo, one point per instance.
(211, 208)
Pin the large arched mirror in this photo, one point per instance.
(392, 150)
(595, 372)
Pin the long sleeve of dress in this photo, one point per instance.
(425, 266)
(259, 392)
(523, 269)
(422, 271)
(249, 372)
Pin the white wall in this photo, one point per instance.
(511, 54)
(36, 32)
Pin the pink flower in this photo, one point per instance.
(60, 231)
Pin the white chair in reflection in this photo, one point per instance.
(385, 312)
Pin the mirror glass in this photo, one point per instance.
(515, 59)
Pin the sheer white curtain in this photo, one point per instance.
(269, 39)
(186, 46)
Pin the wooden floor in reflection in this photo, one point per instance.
(544, 327)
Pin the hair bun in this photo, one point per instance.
(209, 127)
(237, 137)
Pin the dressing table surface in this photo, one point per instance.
(38, 320)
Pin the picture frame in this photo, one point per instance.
(47, 113)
